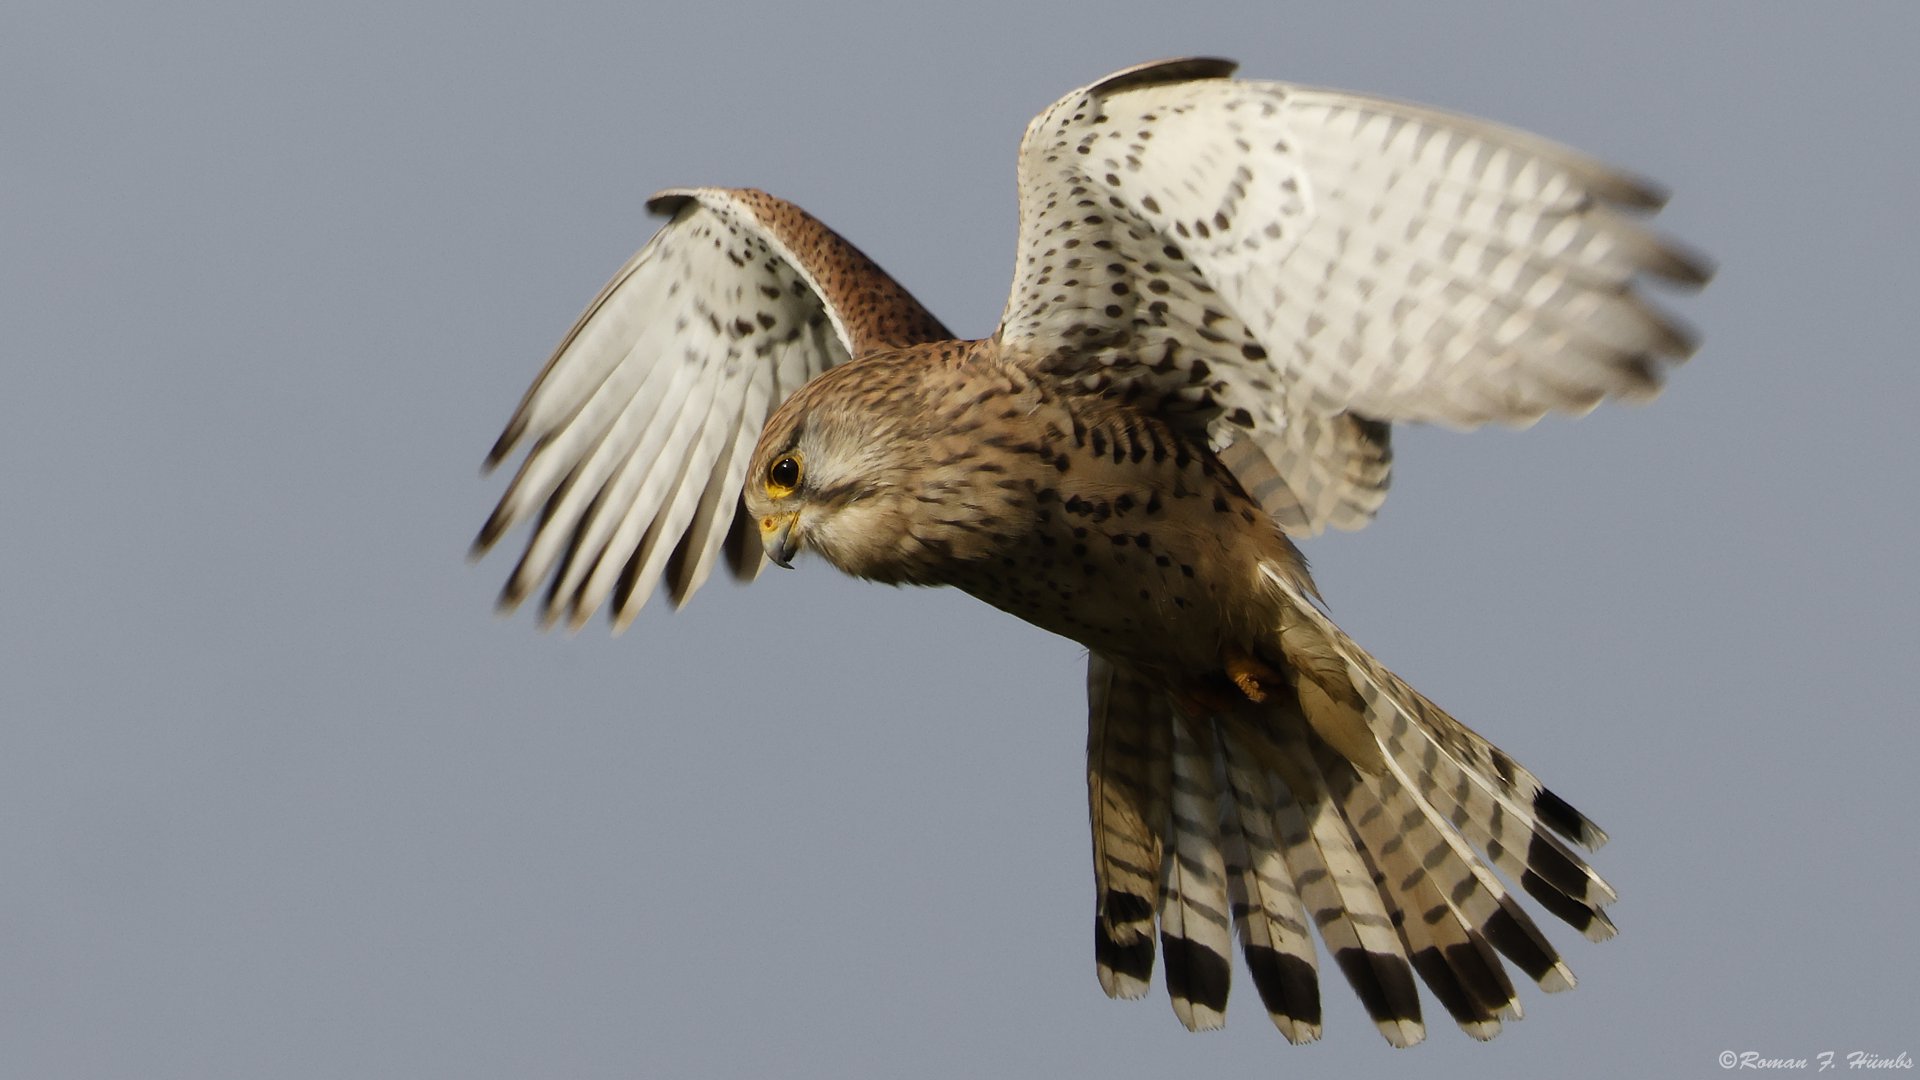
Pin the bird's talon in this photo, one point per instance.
(1249, 686)
(1247, 674)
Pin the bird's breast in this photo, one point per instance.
(1113, 530)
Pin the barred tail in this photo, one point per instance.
(1346, 801)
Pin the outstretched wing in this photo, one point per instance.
(644, 418)
(1291, 269)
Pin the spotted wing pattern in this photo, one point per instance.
(1294, 268)
(643, 420)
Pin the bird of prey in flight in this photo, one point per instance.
(1224, 294)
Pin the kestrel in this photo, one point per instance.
(1225, 292)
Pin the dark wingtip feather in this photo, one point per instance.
(668, 201)
(1681, 266)
(510, 597)
(502, 446)
(1155, 72)
(1627, 189)
(520, 584)
(496, 526)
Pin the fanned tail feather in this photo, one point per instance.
(1448, 951)
(1512, 833)
(1196, 937)
(1515, 821)
(1480, 897)
(1374, 816)
(1335, 881)
(1128, 788)
(1268, 912)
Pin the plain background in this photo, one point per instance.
(280, 796)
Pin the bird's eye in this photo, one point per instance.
(783, 475)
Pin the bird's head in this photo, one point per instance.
(838, 470)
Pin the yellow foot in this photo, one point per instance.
(1249, 686)
(1246, 673)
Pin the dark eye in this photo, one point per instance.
(784, 474)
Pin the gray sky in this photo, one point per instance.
(280, 797)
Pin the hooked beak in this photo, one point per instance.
(780, 535)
